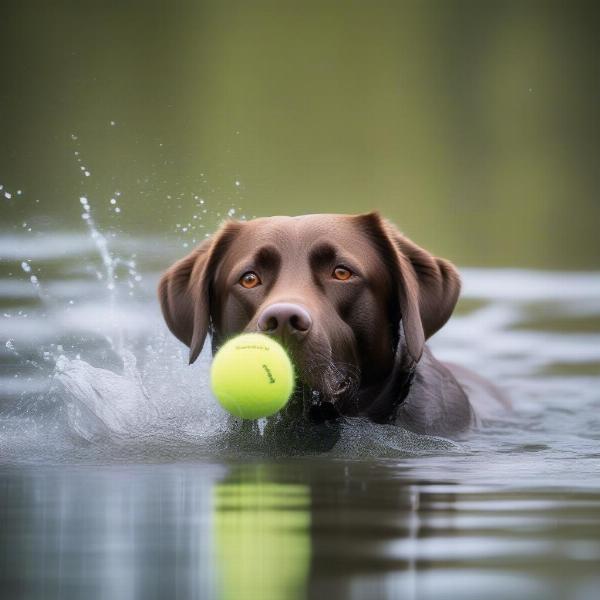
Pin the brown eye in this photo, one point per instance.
(342, 274)
(249, 280)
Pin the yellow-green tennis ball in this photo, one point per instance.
(252, 376)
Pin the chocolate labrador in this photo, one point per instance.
(351, 298)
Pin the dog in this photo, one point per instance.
(351, 298)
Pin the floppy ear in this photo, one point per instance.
(184, 289)
(428, 287)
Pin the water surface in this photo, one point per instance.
(120, 477)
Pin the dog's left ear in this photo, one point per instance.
(428, 287)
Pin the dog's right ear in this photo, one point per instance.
(184, 290)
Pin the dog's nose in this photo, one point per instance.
(284, 318)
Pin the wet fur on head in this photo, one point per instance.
(378, 331)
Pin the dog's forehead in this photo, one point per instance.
(299, 234)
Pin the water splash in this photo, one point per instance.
(101, 403)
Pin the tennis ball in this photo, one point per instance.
(252, 376)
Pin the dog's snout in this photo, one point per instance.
(285, 318)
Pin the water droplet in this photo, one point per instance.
(113, 201)
(26, 267)
(117, 210)
(7, 195)
(262, 423)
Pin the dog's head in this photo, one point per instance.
(340, 292)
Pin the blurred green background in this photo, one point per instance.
(473, 125)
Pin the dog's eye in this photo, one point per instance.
(342, 274)
(250, 280)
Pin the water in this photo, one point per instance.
(121, 477)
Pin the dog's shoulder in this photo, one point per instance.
(436, 404)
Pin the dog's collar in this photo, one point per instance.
(405, 385)
(385, 406)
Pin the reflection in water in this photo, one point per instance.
(262, 539)
(106, 533)
(144, 532)
(294, 528)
